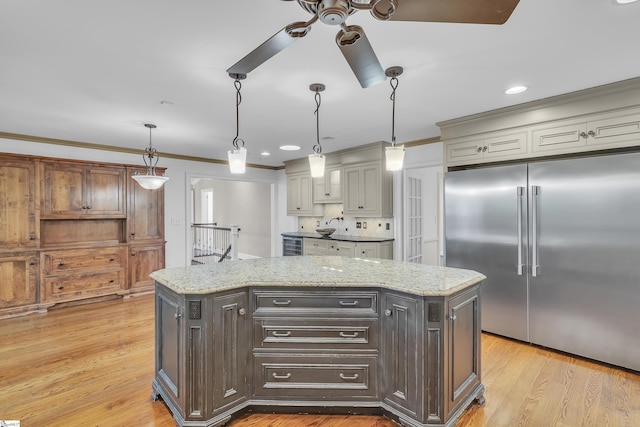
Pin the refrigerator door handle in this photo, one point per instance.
(520, 194)
(535, 192)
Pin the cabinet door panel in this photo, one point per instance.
(402, 368)
(169, 338)
(616, 131)
(105, 192)
(146, 212)
(464, 361)
(230, 348)
(560, 138)
(17, 204)
(144, 260)
(352, 191)
(63, 190)
(17, 280)
(371, 189)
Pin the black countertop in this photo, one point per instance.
(337, 237)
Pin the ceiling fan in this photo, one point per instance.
(353, 42)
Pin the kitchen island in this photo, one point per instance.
(318, 334)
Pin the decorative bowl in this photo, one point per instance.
(325, 232)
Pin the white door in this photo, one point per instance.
(421, 201)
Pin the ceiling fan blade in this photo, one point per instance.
(461, 11)
(357, 50)
(276, 43)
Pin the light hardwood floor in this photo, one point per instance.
(92, 365)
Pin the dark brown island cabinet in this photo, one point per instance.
(318, 335)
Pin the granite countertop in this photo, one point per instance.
(317, 271)
(337, 237)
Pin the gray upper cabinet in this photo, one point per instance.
(368, 190)
(328, 189)
(299, 195)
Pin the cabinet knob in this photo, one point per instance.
(60, 287)
(177, 316)
(242, 312)
(582, 134)
(89, 207)
(32, 237)
(133, 254)
(484, 148)
(32, 262)
(60, 264)
(112, 259)
(133, 234)
(479, 149)
(453, 318)
(111, 281)
(387, 312)
(591, 133)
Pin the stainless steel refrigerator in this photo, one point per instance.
(559, 242)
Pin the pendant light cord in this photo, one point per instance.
(317, 148)
(236, 140)
(394, 85)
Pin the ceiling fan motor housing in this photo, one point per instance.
(333, 12)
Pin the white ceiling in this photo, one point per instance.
(96, 71)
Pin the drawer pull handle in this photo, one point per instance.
(353, 377)
(60, 287)
(111, 259)
(280, 334)
(111, 281)
(60, 264)
(346, 335)
(349, 303)
(276, 302)
(281, 377)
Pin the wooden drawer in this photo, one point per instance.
(316, 377)
(331, 303)
(70, 286)
(83, 259)
(308, 335)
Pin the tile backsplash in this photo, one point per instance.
(369, 227)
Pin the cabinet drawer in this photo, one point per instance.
(307, 335)
(317, 303)
(67, 260)
(316, 377)
(70, 286)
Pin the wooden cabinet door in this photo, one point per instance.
(231, 350)
(63, 190)
(401, 356)
(144, 260)
(146, 212)
(463, 349)
(17, 280)
(105, 192)
(17, 204)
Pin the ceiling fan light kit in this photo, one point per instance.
(394, 155)
(317, 159)
(150, 181)
(237, 156)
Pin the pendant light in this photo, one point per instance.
(395, 154)
(317, 159)
(150, 181)
(237, 156)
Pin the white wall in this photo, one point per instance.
(176, 189)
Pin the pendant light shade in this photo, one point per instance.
(150, 181)
(237, 156)
(316, 165)
(394, 155)
(317, 159)
(237, 160)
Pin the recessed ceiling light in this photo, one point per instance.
(265, 153)
(289, 147)
(515, 89)
(624, 1)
